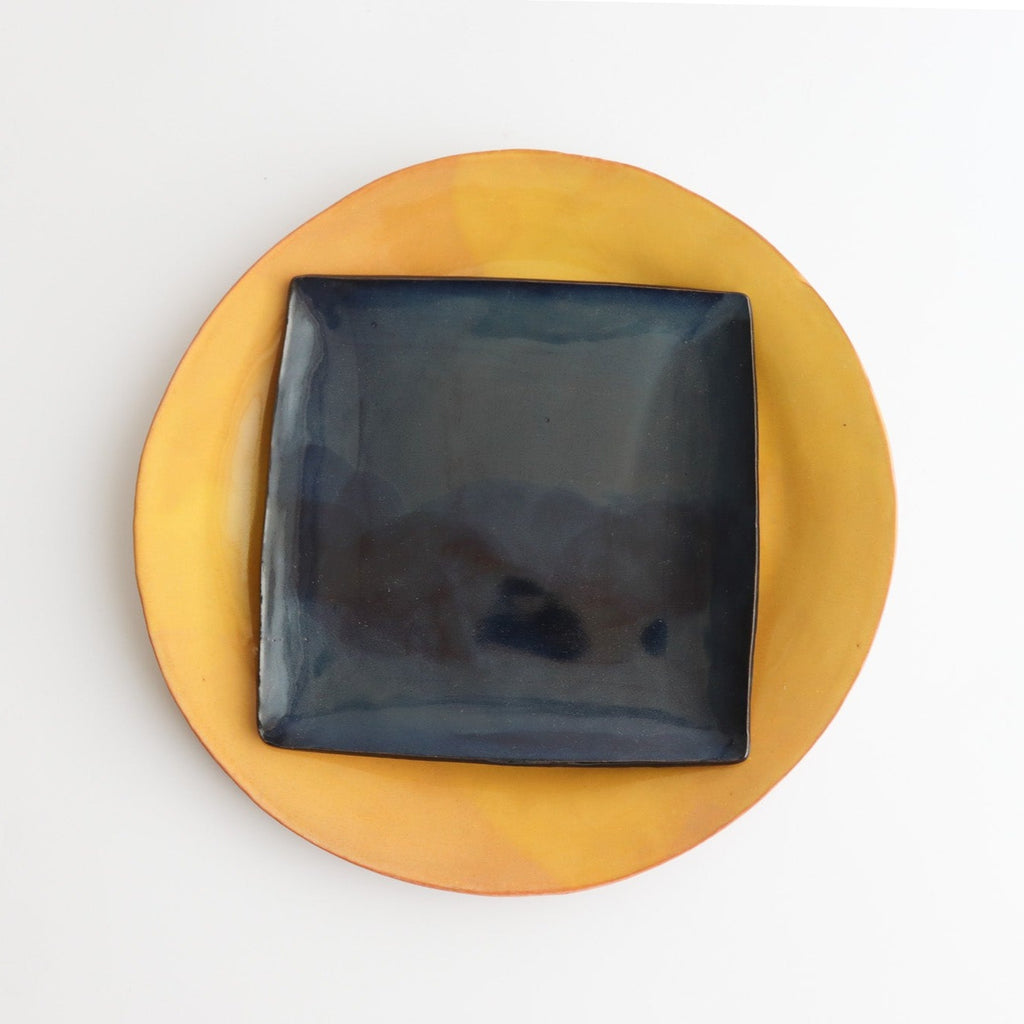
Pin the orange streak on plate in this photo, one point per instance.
(827, 522)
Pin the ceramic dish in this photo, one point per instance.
(512, 522)
(826, 524)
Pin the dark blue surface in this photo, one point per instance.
(512, 522)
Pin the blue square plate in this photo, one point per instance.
(511, 522)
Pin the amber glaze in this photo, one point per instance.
(827, 524)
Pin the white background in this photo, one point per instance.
(151, 152)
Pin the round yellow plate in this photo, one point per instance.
(827, 518)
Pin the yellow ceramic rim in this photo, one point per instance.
(827, 524)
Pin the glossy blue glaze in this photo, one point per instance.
(512, 522)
